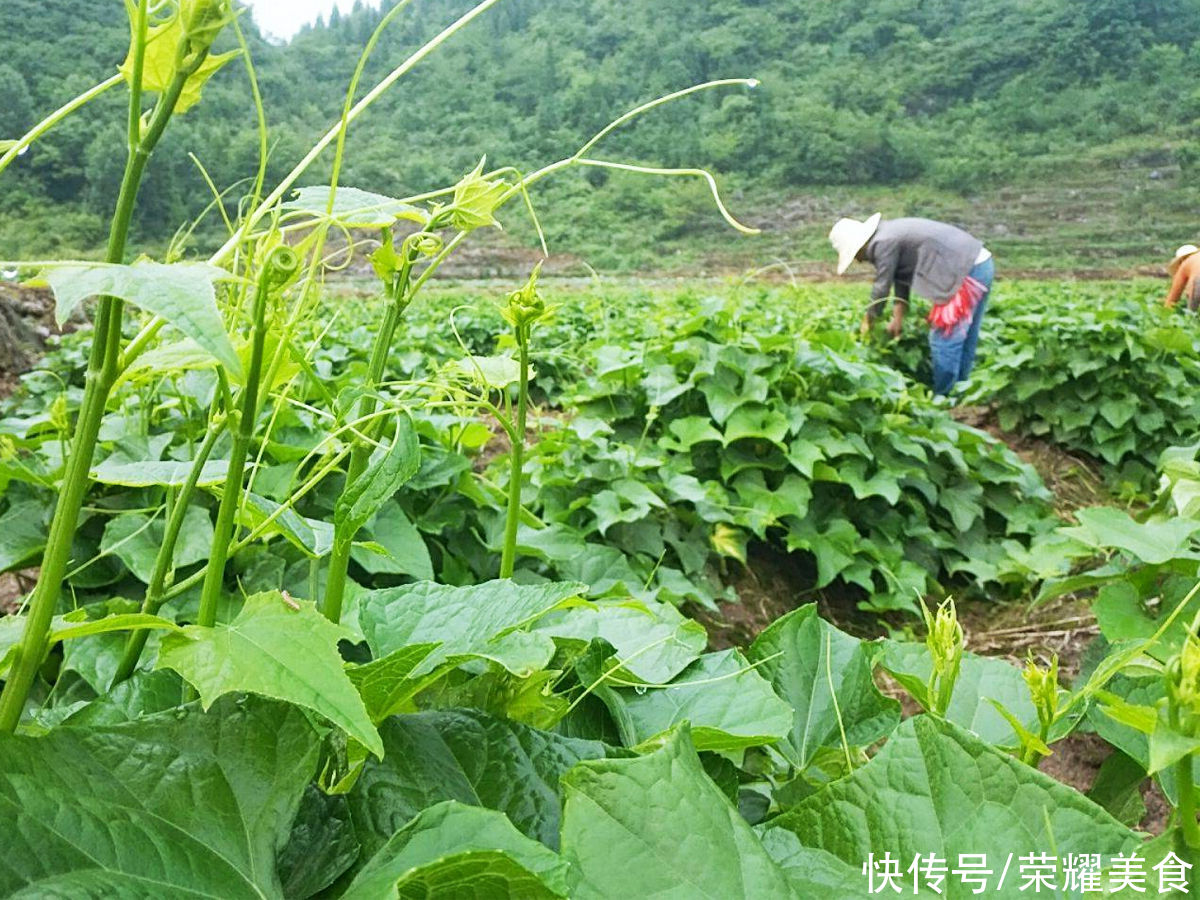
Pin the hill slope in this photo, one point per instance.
(910, 105)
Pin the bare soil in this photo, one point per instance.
(26, 323)
(13, 588)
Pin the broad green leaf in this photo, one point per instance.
(767, 506)
(177, 356)
(160, 61)
(981, 680)
(279, 652)
(492, 372)
(387, 685)
(613, 360)
(1058, 587)
(662, 385)
(321, 845)
(481, 620)
(388, 470)
(1118, 410)
(407, 553)
(690, 431)
(529, 700)
(804, 455)
(756, 421)
(155, 473)
(95, 659)
(1126, 714)
(1123, 613)
(311, 536)
(886, 484)
(1118, 787)
(22, 534)
(834, 547)
(355, 208)
(1157, 850)
(439, 849)
(473, 873)
(812, 873)
(1173, 340)
(658, 827)
(69, 629)
(936, 789)
(723, 396)
(183, 804)
(729, 705)
(962, 501)
(1140, 718)
(182, 293)
(1153, 542)
(135, 539)
(730, 542)
(470, 757)
(12, 629)
(654, 641)
(826, 676)
(143, 694)
(1168, 745)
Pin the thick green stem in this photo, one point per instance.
(1031, 754)
(1187, 802)
(136, 642)
(339, 567)
(516, 477)
(243, 432)
(101, 373)
(943, 693)
(360, 452)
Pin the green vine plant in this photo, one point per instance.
(171, 59)
(1176, 737)
(474, 202)
(946, 643)
(524, 309)
(1047, 699)
(245, 308)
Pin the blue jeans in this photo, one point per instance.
(954, 353)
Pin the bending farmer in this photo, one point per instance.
(1185, 276)
(939, 262)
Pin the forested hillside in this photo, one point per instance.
(948, 95)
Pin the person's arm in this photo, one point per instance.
(896, 326)
(899, 308)
(886, 257)
(1177, 285)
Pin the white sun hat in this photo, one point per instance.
(848, 236)
(1180, 255)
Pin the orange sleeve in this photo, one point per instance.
(1177, 285)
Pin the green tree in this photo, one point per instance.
(16, 103)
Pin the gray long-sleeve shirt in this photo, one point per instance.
(919, 256)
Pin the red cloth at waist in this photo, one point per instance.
(945, 316)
